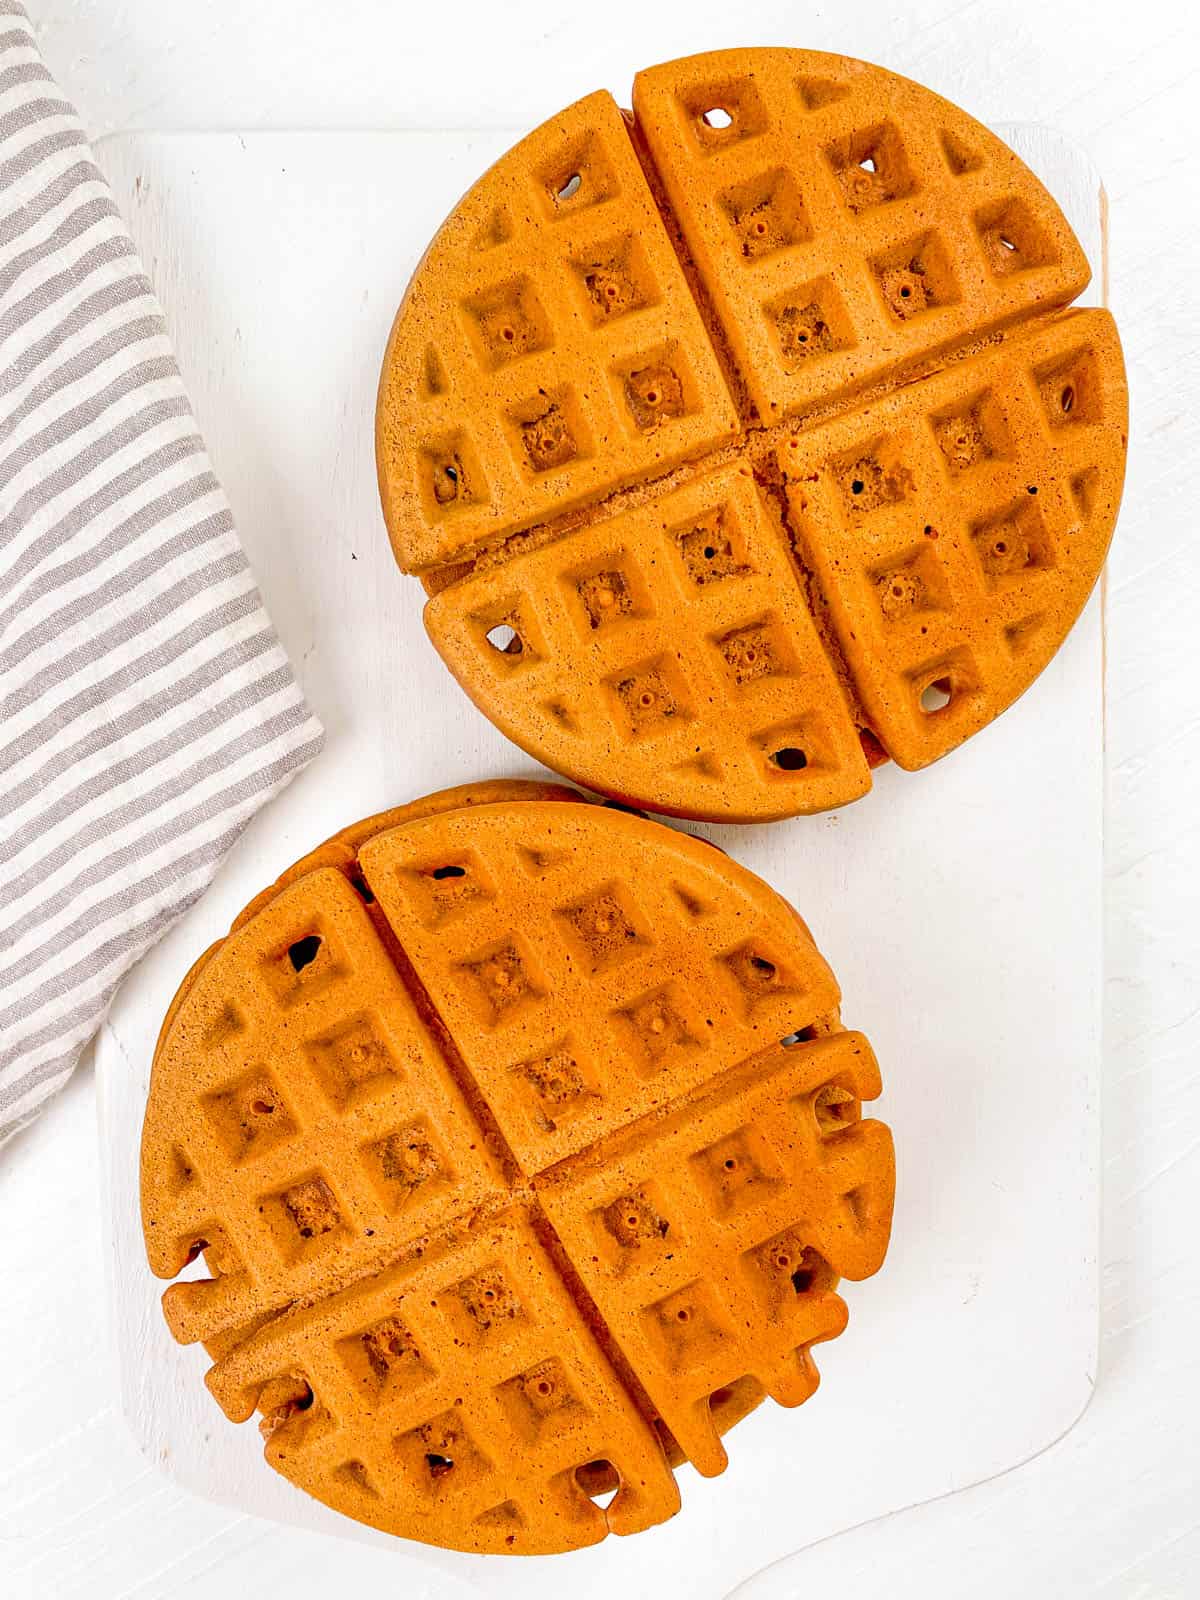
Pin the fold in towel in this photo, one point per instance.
(146, 707)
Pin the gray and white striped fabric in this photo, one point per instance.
(146, 708)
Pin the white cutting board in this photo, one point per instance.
(960, 907)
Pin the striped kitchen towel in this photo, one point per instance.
(146, 707)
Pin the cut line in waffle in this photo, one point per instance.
(775, 249)
(495, 1120)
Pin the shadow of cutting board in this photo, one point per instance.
(960, 907)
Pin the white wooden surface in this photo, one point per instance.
(1109, 1512)
(280, 258)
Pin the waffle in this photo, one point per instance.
(745, 441)
(523, 1145)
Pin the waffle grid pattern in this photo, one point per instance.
(613, 988)
(789, 1181)
(572, 359)
(947, 551)
(844, 233)
(322, 1122)
(752, 681)
(466, 1386)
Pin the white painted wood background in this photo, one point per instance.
(1111, 1510)
(910, 892)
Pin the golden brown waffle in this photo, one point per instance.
(637, 378)
(524, 1148)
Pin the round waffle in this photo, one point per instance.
(743, 441)
(523, 1145)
